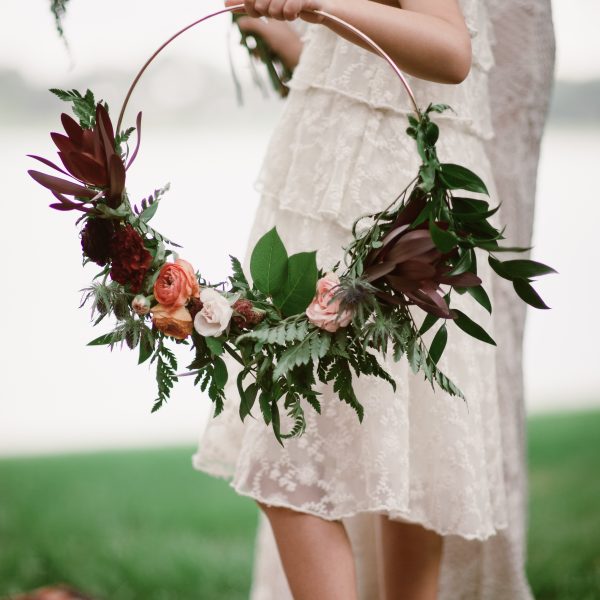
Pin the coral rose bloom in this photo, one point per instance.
(324, 311)
(176, 322)
(176, 284)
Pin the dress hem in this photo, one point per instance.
(401, 514)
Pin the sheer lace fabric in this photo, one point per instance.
(340, 151)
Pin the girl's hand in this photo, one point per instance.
(283, 10)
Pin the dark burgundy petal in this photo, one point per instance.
(66, 204)
(467, 279)
(103, 120)
(117, 176)
(63, 143)
(88, 169)
(415, 269)
(428, 305)
(48, 163)
(411, 211)
(138, 124)
(389, 237)
(402, 284)
(73, 129)
(378, 270)
(405, 250)
(61, 186)
(93, 142)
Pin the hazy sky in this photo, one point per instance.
(121, 33)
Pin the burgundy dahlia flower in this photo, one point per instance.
(130, 259)
(96, 237)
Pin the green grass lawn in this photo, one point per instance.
(142, 525)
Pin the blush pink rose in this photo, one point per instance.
(324, 311)
(176, 284)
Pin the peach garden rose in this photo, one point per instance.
(324, 311)
(174, 321)
(176, 284)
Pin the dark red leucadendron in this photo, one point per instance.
(90, 158)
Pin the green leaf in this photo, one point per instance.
(238, 272)
(456, 177)
(474, 216)
(103, 340)
(444, 240)
(214, 345)
(439, 108)
(498, 267)
(473, 329)
(428, 322)
(294, 356)
(463, 265)
(220, 374)
(438, 344)
(524, 269)
(269, 263)
(247, 396)
(149, 212)
(481, 296)
(432, 133)
(470, 205)
(276, 424)
(300, 286)
(493, 246)
(265, 406)
(528, 294)
(146, 349)
(427, 174)
(413, 353)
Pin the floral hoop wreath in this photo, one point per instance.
(292, 324)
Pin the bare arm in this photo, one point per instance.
(426, 38)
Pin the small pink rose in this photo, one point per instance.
(324, 310)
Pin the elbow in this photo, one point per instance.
(460, 61)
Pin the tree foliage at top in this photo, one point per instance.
(59, 8)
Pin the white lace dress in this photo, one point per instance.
(339, 151)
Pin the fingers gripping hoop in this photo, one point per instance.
(380, 51)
